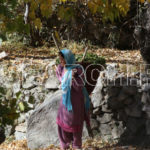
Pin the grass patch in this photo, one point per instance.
(91, 58)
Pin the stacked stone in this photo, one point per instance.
(120, 106)
(36, 85)
(117, 112)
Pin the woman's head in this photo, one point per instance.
(61, 59)
(66, 57)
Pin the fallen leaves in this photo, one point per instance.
(111, 55)
(88, 144)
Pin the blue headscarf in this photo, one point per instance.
(67, 80)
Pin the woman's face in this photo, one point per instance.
(62, 61)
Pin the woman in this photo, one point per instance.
(74, 105)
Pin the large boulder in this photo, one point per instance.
(41, 126)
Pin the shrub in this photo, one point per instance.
(11, 108)
(91, 58)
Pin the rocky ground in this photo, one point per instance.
(89, 144)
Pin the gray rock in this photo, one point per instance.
(122, 116)
(42, 124)
(134, 110)
(42, 127)
(108, 138)
(147, 111)
(97, 97)
(96, 111)
(135, 124)
(122, 96)
(20, 135)
(130, 90)
(105, 129)
(95, 132)
(16, 87)
(111, 71)
(145, 87)
(106, 118)
(117, 131)
(8, 130)
(30, 83)
(94, 124)
(48, 96)
(105, 109)
(39, 94)
(20, 131)
(22, 118)
(52, 83)
(114, 103)
(2, 135)
(134, 82)
(148, 127)
(128, 101)
(145, 96)
(9, 94)
(113, 91)
(27, 115)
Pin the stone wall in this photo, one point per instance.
(121, 108)
(35, 79)
(120, 105)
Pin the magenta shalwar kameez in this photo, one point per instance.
(70, 123)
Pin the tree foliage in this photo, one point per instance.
(12, 13)
(11, 108)
(11, 17)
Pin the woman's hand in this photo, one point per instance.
(74, 71)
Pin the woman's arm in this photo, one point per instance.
(77, 79)
(59, 72)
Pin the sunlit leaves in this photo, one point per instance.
(68, 1)
(94, 4)
(21, 106)
(141, 1)
(63, 0)
(40, 10)
(16, 25)
(2, 26)
(10, 19)
(46, 8)
(38, 23)
(109, 10)
(65, 13)
(11, 107)
(122, 6)
(32, 15)
(33, 5)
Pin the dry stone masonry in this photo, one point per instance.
(121, 109)
(120, 105)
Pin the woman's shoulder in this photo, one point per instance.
(60, 67)
(79, 69)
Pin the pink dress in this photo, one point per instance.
(70, 124)
(73, 121)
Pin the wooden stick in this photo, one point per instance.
(84, 53)
(55, 42)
